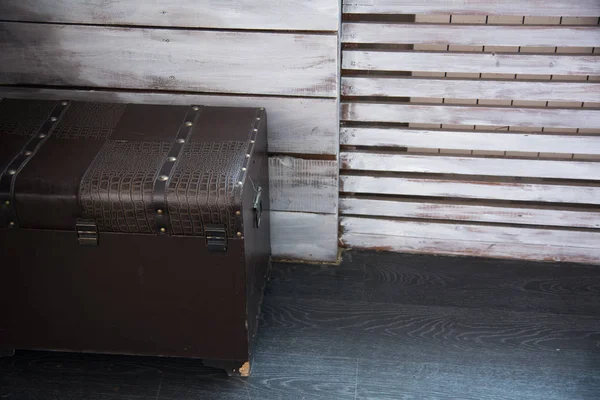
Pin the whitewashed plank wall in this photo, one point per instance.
(281, 55)
(471, 127)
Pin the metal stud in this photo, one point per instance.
(255, 130)
(258, 118)
(53, 119)
(188, 123)
(160, 212)
(172, 159)
(238, 213)
(162, 230)
(247, 155)
(27, 153)
(163, 178)
(239, 234)
(11, 172)
(7, 203)
(243, 169)
(64, 103)
(252, 141)
(240, 183)
(42, 135)
(11, 224)
(180, 141)
(195, 108)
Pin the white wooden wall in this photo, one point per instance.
(472, 127)
(278, 54)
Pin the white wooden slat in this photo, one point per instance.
(292, 125)
(466, 115)
(465, 189)
(321, 15)
(469, 212)
(501, 63)
(385, 162)
(472, 89)
(166, 59)
(542, 8)
(303, 185)
(471, 35)
(472, 233)
(476, 240)
(304, 236)
(470, 140)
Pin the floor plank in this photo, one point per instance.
(482, 283)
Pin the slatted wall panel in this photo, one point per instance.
(282, 55)
(472, 128)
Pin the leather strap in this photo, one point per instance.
(9, 175)
(161, 183)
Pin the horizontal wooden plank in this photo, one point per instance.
(542, 8)
(472, 89)
(465, 189)
(501, 63)
(292, 125)
(320, 15)
(471, 35)
(470, 140)
(444, 210)
(166, 59)
(385, 162)
(466, 115)
(471, 233)
(303, 185)
(304, 236)
(476, 240)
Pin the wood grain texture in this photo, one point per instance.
(471, 35)
(386, 162)
(468, 382)
(501, 63)
(292, 125)
(180, 60)
(469, 140)
(320, 15)
(549, 8)
(303, 185)
(473, 89)
(304, 236)
(478, 240)
(478, 283)
(444, 210)
(466, 115)
(442, 328)
(465, 189)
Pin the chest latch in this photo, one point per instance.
(87, 232)
(216, 237)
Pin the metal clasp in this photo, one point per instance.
(87, 232)
(257, 207)
(216, 237)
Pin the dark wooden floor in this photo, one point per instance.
(380, 326)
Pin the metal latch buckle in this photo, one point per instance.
(257, 207)
(216, 237)
(87, 232)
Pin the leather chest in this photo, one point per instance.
(133, 229)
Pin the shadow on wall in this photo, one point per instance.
(34, 55)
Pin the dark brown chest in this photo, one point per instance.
(133, 229)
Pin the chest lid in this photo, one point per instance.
(128, 168)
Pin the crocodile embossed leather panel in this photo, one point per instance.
(117, 189)
(86, 120)
(203, 189)
(23, 117)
